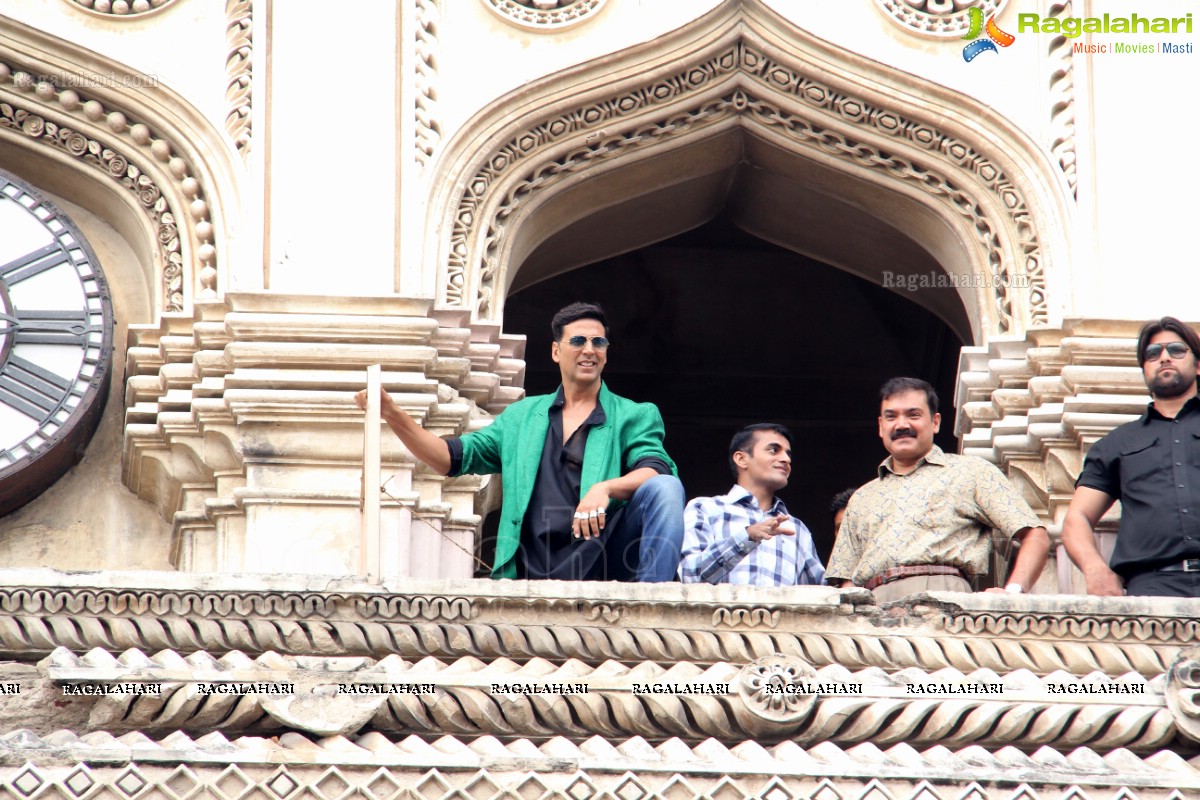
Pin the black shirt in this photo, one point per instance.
(1152, 465)
(548, 548)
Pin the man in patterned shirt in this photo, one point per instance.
(747, 536)
(923, 524)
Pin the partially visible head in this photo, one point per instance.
(762, 454)
(574, 312)
(1168, 375)
(908, 418)
(837, 507)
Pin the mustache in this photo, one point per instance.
(903, 433)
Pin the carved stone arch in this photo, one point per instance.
(131, 152)
(957, 180)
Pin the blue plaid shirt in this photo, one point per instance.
(717, 549)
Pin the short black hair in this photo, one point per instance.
(1155, 327)
(574, 313)
(897, 386)
(841, 500)
(745, 438)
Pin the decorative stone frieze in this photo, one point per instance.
(746, 79)
(1183, 692)
(65, 764)
(544, 15)
(115, 136)
(120, 9)
(240, 422)
(590, 622)
(941, 18)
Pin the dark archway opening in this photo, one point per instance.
(721, 329)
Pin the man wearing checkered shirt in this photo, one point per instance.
(747, 536)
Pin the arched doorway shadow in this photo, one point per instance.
(721, 329)
(819, 188)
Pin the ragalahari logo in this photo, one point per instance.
(995, 36)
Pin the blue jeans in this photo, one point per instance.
(648, 536)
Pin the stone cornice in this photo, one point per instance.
(592, 622)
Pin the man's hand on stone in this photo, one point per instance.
(1104, 582)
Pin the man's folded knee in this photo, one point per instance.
(663, 488)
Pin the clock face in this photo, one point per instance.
(55, 343)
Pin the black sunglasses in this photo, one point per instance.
(598, 342)
(1174, 350)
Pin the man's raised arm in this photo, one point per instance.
(426, 447)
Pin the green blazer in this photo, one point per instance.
(512, 445)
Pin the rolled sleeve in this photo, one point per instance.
(653, 462)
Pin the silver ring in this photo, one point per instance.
(593, 514)
(580, 515)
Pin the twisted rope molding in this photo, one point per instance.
(1062, 97)
(772, 699)
(425, 46)
(239, 66)
(519, 168)
(33, 621)
(380, 768)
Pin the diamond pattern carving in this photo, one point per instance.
(79, 782)
(181, 784)
(581, 789)
(28, 782)
(332, 785)
(382, 786)
(281, 784)
(232, 784)
(131, 783)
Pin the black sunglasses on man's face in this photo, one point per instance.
(1154, 351)
(598, 342)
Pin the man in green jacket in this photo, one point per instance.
(589, 491)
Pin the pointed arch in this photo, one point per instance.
(130, 151)
(987, 203)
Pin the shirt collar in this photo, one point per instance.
(597, 417)
(740, 495)
(935, 456)
(1193, 404)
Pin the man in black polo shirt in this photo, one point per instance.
(1152, 465)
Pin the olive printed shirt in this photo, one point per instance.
(940, 513)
